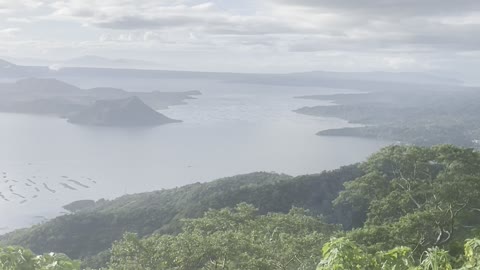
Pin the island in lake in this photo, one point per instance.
(131, 111)
(97, 106)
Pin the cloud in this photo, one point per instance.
(8, 6)
(154, 15)
(361, 33)
(318, 24)
(9, 32)
(389, 8)
(419, 26)
(18, 20)
(139, 22)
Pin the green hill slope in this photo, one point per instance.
(91, 231)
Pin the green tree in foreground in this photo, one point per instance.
(344, 254)
(16, 258)
(236, 238)
(416, 197)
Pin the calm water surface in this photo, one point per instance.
(230, 129)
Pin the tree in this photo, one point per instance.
(343, 254)
(236, 238)
(16, 258)
(421, 197)
(472, 254)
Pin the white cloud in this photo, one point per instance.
(9, 6)
(18, 20)
(399, 62)
(341, 34)
(383, 8)
(9, 32)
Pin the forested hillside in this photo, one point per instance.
(421, 207)
(93, 230)
(406, 207)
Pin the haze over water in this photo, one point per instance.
(231, 129)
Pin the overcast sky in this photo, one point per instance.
(247, 35)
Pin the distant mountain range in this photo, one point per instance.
(87, 61)
(400, 77)
(97, 61)
(88, 66)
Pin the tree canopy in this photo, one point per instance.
(236, 238)
(416, 197)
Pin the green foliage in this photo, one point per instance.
(15, 258)
(416, 197)
(436, 259)
(236, 238)
(472, 254)
(343, 254)
(399, 258)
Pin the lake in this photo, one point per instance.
(231, 129)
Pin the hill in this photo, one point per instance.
(125, 68)
(120, 112)
(93, 230)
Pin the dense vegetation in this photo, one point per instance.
(411, 208)
(93, 230)
(16, 258)
(240, 239)
(343, 254)
(426, 117)
(421, 206)
(417, 197)
(230, 239)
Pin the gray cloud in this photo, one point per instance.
(391, 7)
(140, 22)
(449, 37)
(332, 33)
(350, 25)
(417, 26)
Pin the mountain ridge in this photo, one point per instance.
(323, 78)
